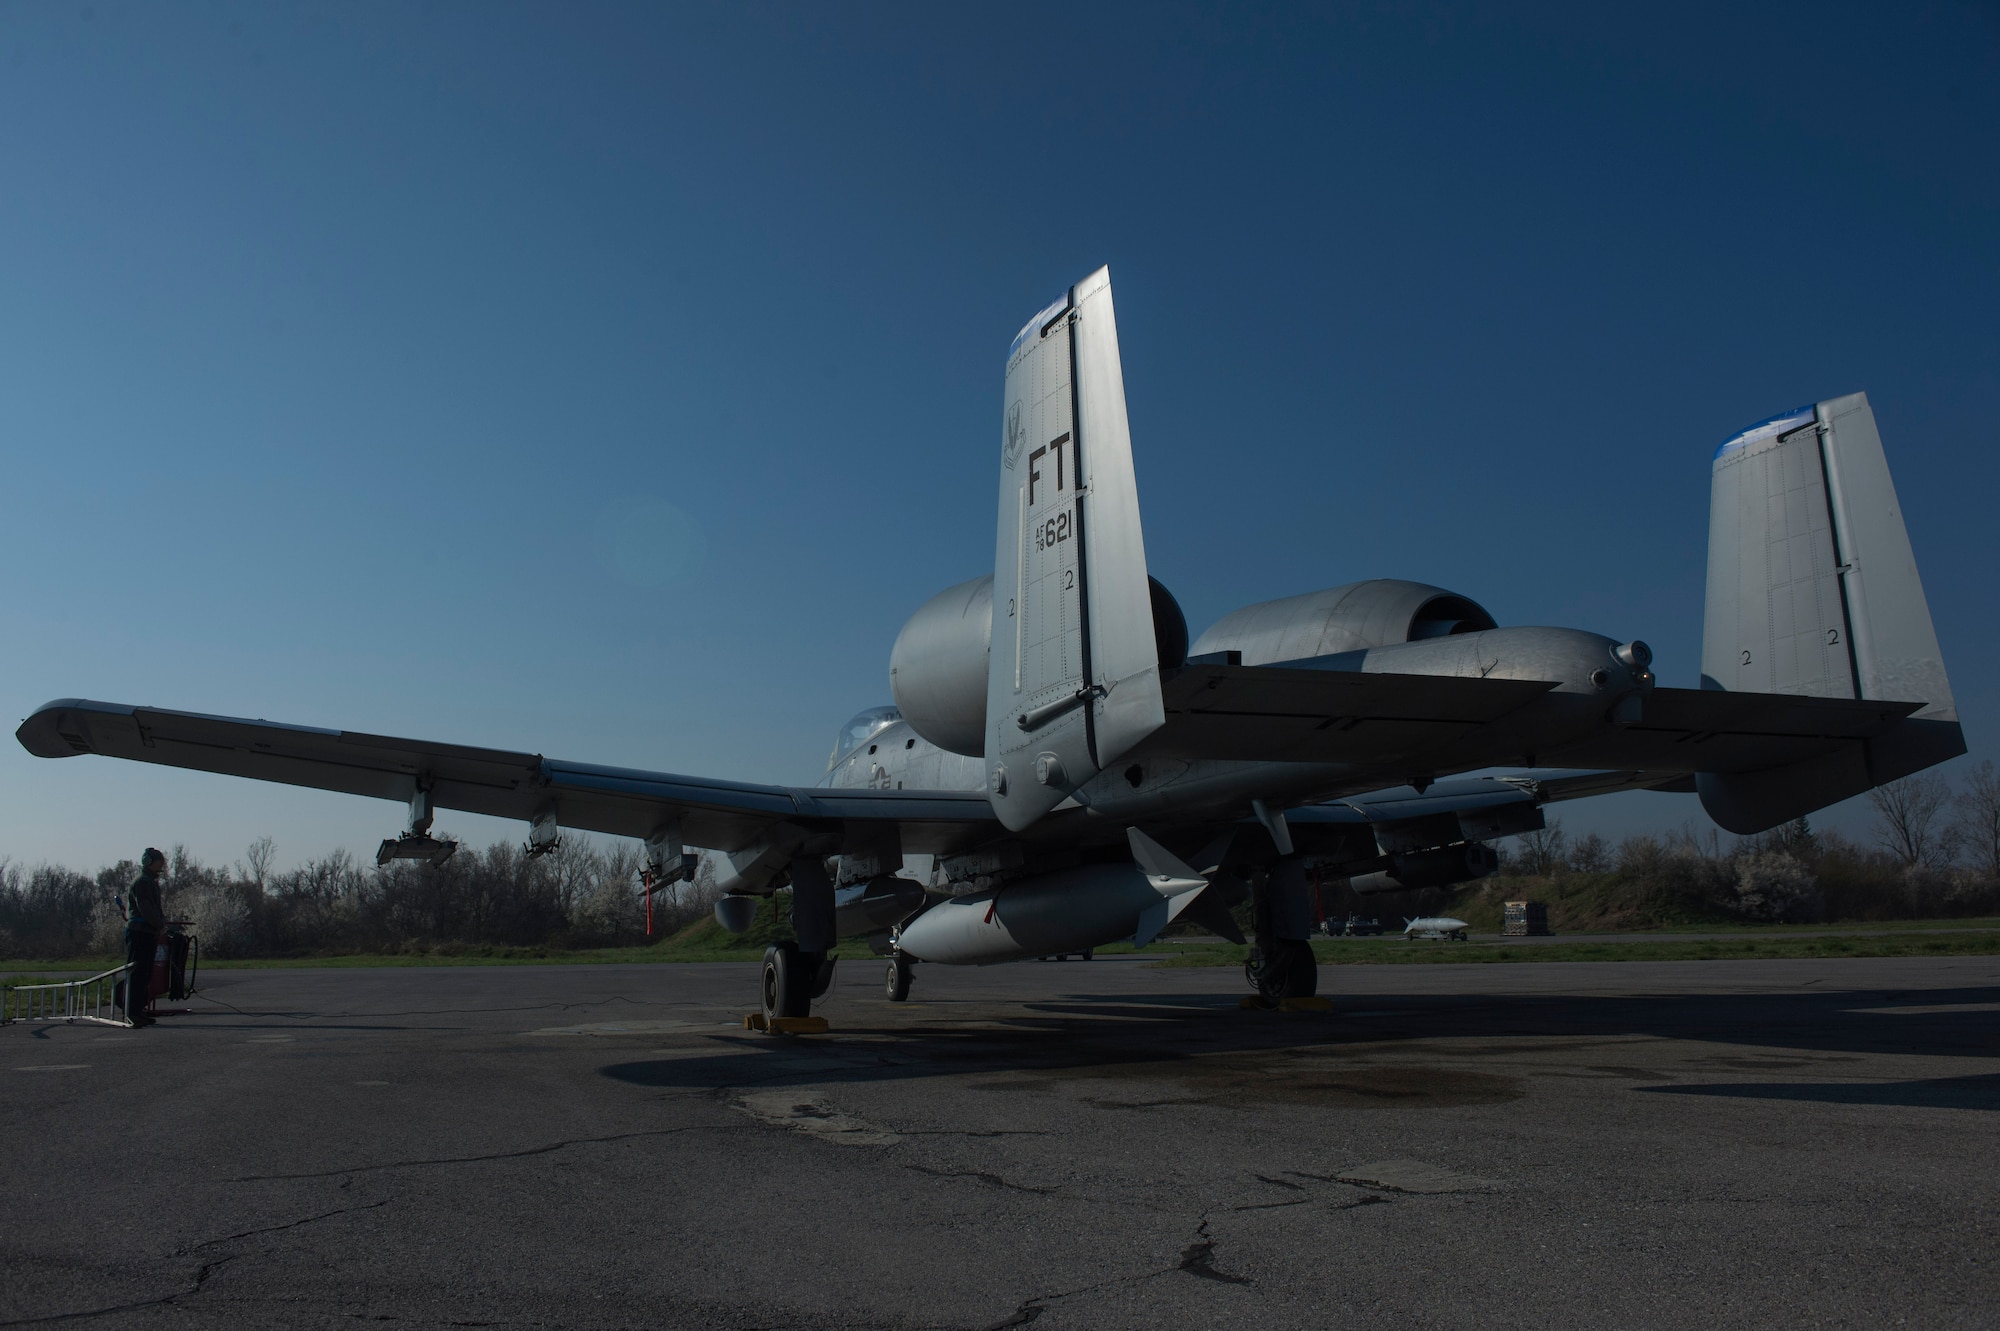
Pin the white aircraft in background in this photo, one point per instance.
(1439, 927)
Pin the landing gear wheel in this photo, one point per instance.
(1291, 971)
(789, 979)
(824, 980)
(896, 984)
(1305, 978)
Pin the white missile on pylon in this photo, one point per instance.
(1065, 910)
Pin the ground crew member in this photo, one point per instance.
(145, 920)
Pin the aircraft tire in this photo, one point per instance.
(823, 979)
(1303, 972)
(788, 981)
(1291, 972)
(897, 983)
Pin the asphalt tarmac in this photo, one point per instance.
(1068, 1145)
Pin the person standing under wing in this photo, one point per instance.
(145, 920)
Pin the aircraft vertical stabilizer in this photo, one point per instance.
(1074, 679)
(1813, 590)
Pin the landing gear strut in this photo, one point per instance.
(1282, 964)
(896, 984)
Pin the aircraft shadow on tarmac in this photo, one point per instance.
(1981, 1092)
(1196, 1039)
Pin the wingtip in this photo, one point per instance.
(46, 734)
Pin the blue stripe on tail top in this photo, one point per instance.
(1034, 325)
(1782, 423)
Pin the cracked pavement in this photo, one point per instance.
(1069, 1145)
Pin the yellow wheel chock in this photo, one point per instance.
(757, 1021)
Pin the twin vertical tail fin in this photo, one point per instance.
(1073, 678)
(1813, 590)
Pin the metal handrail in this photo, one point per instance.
(66, 1000)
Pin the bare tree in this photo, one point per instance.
(262, 851)
(1979, 818)
(1913, 829)
(1542, 850)
(1691, 843)
(1590, 854)
(574, 868)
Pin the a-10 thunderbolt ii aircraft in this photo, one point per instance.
(1079, 773)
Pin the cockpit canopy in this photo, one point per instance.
(858, 731)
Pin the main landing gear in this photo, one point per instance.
(793, 979)
(1288, 970)
(1282, 964)
(896, 984)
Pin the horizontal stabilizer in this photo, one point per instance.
(1301, 714)
(1703, 730)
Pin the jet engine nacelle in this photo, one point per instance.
(1348, 618)
(1440, 867)
(937, 669)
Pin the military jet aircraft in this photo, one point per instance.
(1439, 927)
(1080, 773)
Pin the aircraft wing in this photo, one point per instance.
(1295, 714)
(717, 815)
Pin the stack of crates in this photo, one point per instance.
(1525, 919)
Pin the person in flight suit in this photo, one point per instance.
(145, 920)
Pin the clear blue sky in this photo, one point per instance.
(348, 352)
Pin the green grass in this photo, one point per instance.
(1845, 927)
(705, 940)
(1398, 952)
(1629, 903)
(9, 981)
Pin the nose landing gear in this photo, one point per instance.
(896, 984)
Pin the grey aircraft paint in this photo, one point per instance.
(1061, 769)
